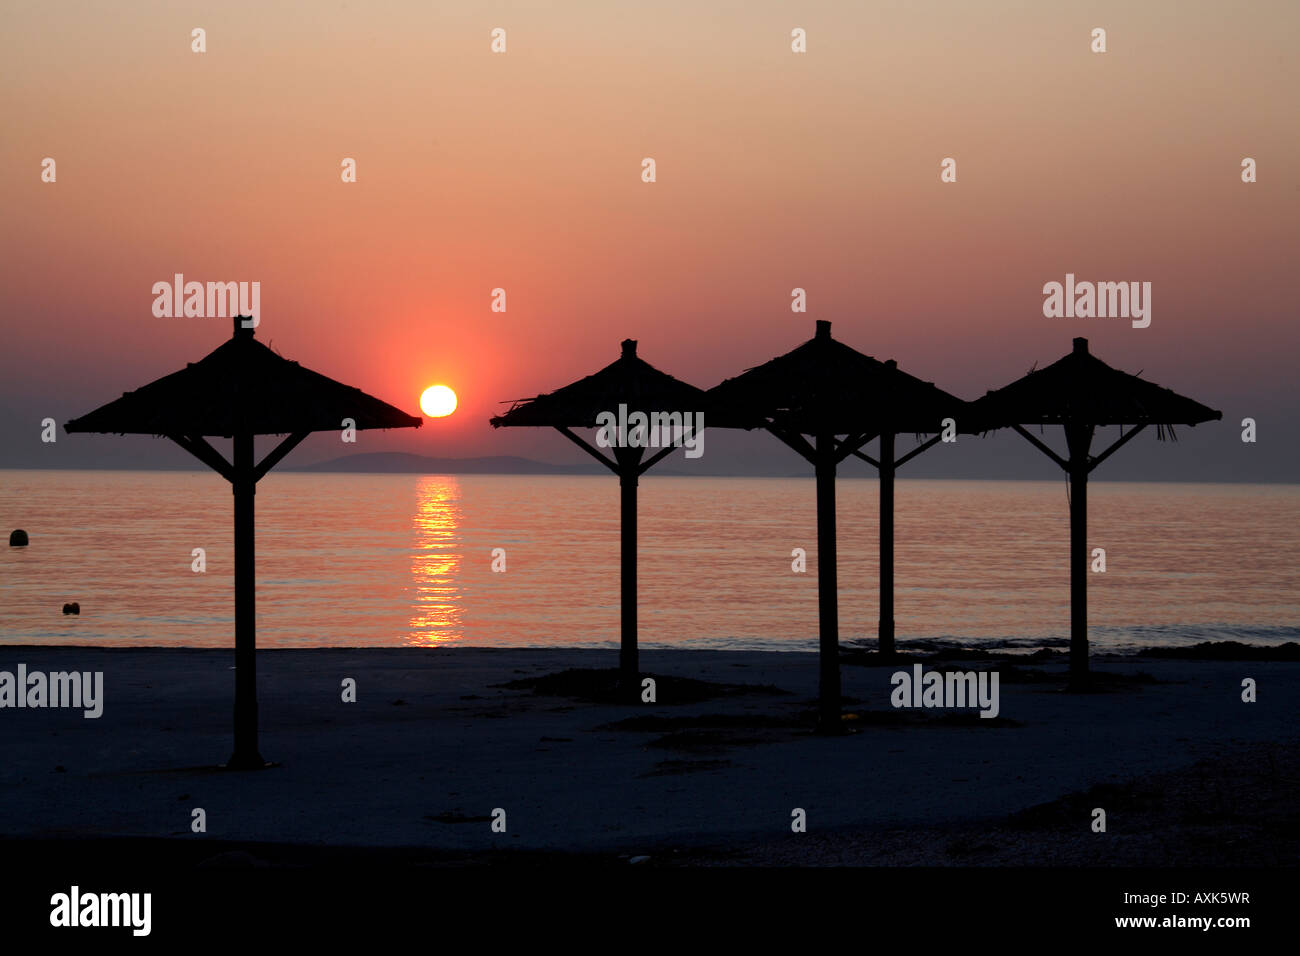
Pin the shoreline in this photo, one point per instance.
(597, 472)
(852, 651)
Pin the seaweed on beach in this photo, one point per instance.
(1127, 798)
(656, 722)
(710, 733)
(665, 768)
(456, 816)
(1226, 651)
(1204, 651)
(601, 686)
(1025, 675)
(705, 741)
(911, 717)
(1110, 682)
(1213, 798)
(742, 727)
(869, 657)
(1234, 809)
(1096, 681)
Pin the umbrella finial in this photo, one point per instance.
(629, 348)
(1081, 346)
(823, 329)
(240, 329)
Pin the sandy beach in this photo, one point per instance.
(708, 774)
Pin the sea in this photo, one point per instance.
(407, 560)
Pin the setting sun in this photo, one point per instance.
(438, 401)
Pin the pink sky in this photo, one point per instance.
(522, 171)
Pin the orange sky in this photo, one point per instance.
(522, 171)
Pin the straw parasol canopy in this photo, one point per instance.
(625, 387)
(808, 398)
(825, 385)
(1081, 393)
(272, 396)
(239, 390)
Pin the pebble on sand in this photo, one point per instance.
(18, 538)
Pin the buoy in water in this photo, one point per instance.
(18, 538)
(73, 608)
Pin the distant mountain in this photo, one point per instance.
(394, 462)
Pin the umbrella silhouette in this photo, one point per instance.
(1081, 393)
(908, 405)
(633, 384)
(239, 390)
(807, 398)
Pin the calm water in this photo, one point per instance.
(406, 560)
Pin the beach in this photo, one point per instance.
(435, 747)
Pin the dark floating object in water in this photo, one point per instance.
(18, 538)
(73, 608)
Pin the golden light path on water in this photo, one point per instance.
(435, 563)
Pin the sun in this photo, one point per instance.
(438, 401)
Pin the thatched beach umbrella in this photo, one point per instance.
(240, 390)
(627, 386)
(908, 406)
(1081, 393)
(807, 398)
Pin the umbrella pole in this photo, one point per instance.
(886, 633)
(244, 485)
(1078, 438)
(629, 672)
(827, 590)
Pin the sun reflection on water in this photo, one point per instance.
(435, 563)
